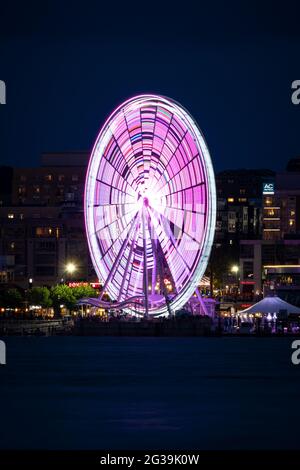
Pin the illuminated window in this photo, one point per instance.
(48, 177)
(292, 213)
(12, 245)
(36, 189)
(291, 222)
(21, 216)
(243, 191)
(242, 199)
(61, 178)
(268, 200)
(11, 216)
(271, 212)
(230, 199)
(44, 231)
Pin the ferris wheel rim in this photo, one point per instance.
(190, 286)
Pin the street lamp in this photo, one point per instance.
(235, 270)
(70, 268)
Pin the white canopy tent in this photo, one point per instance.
(271, 305)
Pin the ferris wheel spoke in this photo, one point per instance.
(109, 220)
(131, 131)
(163, 127)
(182, 221)
(128, 168)
(107, 238)
(157, 258)
(186, 245)
(120, 254)
(131, 251)
(191, 200)
(148, 120)
(177, 145)
(109, 173)
(135, 283)
(189, 175)
(152, 164)
(164, 177)
(107, 194)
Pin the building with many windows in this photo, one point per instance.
(239, 204)
(276, 255)
(281, 205)
(42, 223)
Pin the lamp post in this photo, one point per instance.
(70, 269)
(235, 270)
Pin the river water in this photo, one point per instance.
(149, 393)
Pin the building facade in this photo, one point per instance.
(279, 245)
(42, 224)
(239, 204)
(281, 213)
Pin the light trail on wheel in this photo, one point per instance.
(150, 204)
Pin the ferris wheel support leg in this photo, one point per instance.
(145, 266)
(154, 252)
(203, 306)
(154, 270)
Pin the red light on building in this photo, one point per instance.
(96, 285)
(78, 284)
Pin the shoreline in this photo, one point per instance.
(180, 327)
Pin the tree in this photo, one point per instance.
(62, 295)
(220, 261)
(11, 298)
(40, 296)
(82, 292)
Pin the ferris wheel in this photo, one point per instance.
(150, 205)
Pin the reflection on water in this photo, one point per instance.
(143, 393)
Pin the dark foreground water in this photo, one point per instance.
(149, 393)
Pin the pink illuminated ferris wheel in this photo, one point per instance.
(150, 205)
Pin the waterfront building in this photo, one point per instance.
(42, 223)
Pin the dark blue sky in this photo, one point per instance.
(230, 64)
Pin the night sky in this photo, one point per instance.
(67, 65)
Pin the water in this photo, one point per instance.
(149, 393)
